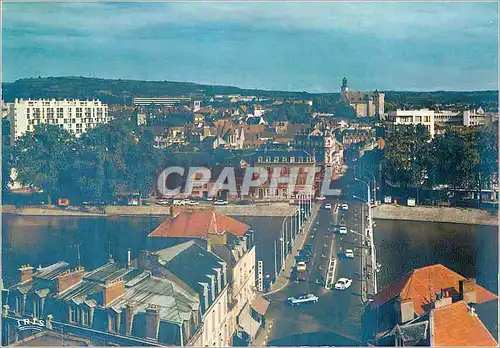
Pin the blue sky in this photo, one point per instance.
(284, 46)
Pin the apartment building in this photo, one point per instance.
(76, 116)
(407, 117)
(466, 118)
(163, 101)
(109, 306)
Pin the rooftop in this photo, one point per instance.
(415, 285)
(199, 224)
(455, 325)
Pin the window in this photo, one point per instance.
(37, 307)
(292, 159)
(73, 317)
(19, 304)
(113, 322)
(259, 160)
(299, 159)
(427, 119)
(284, 159)
(85, 316)
(276, 159)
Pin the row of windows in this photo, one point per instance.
(284, 159)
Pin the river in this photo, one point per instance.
(401, 245)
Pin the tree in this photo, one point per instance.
(6, 156)
(43, 159)
(487, 147)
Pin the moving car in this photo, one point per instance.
(220, 202)
(343, 230)
(349, 253)
(301, 266)
(343, 284)
(328, 206)
(345, 206)
(295, 301)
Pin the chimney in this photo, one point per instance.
(128, 258)
(113, 289)
(467, 289)
(25, 273)
(152, 321)
(69, 278)
(442, 299)
(407, 310)
(472, 311)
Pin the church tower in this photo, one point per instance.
(344, 89)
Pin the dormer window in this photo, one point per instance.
(268, 159)
(292, 159)
(284, 159)
(299, 159)
(259, 160)
(276, 159)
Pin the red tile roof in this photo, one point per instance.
(415, 286)
(198, 224)
(454, 325)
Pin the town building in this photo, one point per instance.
(233, 242)
(476, 117)
(76, 116)
(163, 101)
(365, 104)
(430, 306)
(322, 144)
(413, 117)
(111, 305)
(284, 161)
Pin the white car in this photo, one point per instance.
(343, 284)
(220, 202)
(295, 301)
(345, 206)
(193, 203)
(178, 202)
(322, 198)
(349, 253)
(328, 206)
(301, 266)
(163, 203)
(343, 230)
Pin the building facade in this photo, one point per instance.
(76, 116)
(406, 117)
(365, 104)
(162, 101)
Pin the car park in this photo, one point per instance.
(343, 284)
(343, 230)
(349, 253)
(306, 298)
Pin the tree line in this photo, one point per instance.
(464, 158)
(105, 162)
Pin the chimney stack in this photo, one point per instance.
(128, 258)
(25, 273)
(113, 289)
(407, 310)
(467, 289)
(69, 278)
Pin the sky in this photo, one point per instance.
(294, 46)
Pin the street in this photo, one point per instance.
(338, 311)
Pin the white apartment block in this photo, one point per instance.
(161, 101)
(407, 117)
(76, 116)
(462, 118)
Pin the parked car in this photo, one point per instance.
(328, 206)
(349, 253)
(178, 202)
(343, 230)
(163, 202)
(192, 203)
(220, 202)
(306, 298)
(322, 198)
(343, 284)
(242, 203)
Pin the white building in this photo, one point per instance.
(462, 118)
(76, 116)
(407, 117)
(161, 101)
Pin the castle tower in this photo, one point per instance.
(344, 89)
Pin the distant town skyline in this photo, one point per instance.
(273, 46)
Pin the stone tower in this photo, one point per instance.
(344, 89)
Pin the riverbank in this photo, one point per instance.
(260, 209)
(435, 214)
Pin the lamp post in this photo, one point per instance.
(370, 231)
